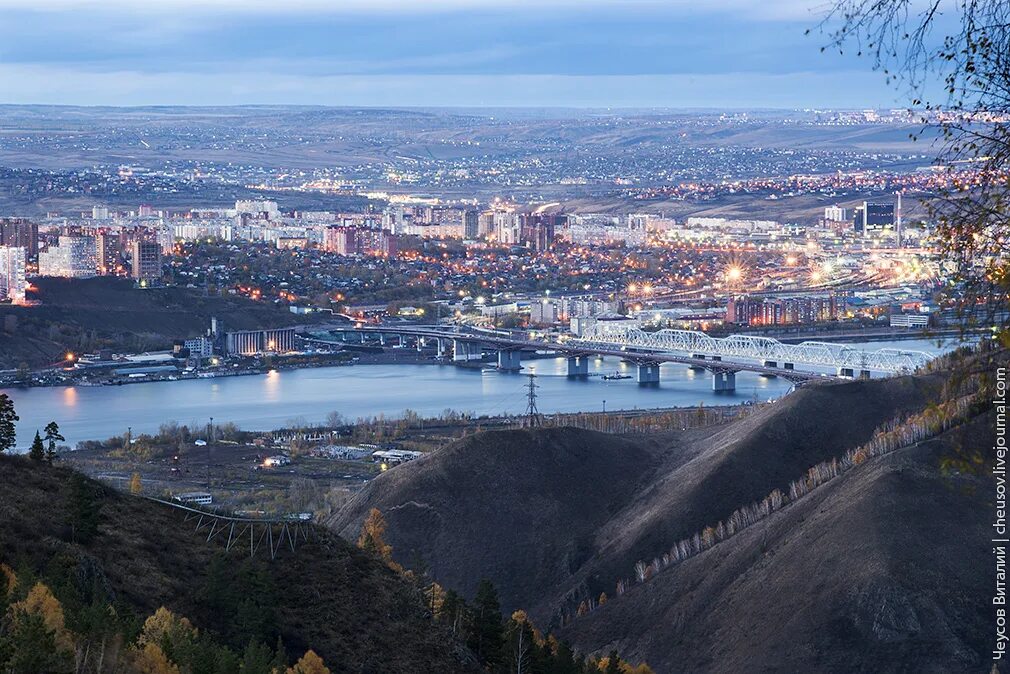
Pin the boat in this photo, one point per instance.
(616, 376)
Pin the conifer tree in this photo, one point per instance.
(37, 451)
(486, 637)
(53, 435)
(8, 417)
(83, 509)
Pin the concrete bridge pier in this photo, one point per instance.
(648, 373)
(578, 366)
(699, 356)
(420, 344)
(382, 339)
(441, 347)
(509, 360)
(724, 382)
(466, 351)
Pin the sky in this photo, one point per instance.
(580, 53)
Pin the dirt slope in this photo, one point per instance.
(554, 516)
(885, 569)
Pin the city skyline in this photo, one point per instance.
(503, 53)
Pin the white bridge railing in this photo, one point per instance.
(759, 348)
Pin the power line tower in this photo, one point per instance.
(532, 413)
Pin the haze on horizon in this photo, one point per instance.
(488, 53)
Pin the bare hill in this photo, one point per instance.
(519, 507)
(556, 516)
(881, 570)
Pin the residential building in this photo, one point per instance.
(72, 257)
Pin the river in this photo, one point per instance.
(273, 400)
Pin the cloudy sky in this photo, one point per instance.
(598, 53)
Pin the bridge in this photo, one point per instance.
(844, 359)
(254, 532)
(722, 358)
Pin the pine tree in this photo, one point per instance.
(613, 664)
(33, 646)
(8, 417)
(257, 659)
(486, 637)
(83, 509)
(52, 431)
(37, 451)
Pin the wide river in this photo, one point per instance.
(273, 400)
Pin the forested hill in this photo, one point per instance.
(94, 579)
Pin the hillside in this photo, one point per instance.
(563, 512)
(866, 563)
(91, 313)
(881, 570)
(327, 595)
(519, 507)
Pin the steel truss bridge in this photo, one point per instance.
(252, 533)
(764, 349)
(469, 344)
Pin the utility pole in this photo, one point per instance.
(532, 414)
(210, 439)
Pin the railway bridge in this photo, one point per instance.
(722, 358)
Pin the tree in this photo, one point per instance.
(37, 451)
(8, 417)
(258, 659)
(309, 664)
(613, 664)
(52, 431)
(965, 47)
(33, 647)
(83, 509)
(151, 659)
(486, 636)
(135, 485)
(371, 538)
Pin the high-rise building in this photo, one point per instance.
(877, 216)
(12, 274)
(73, 257)
(108, 253)
(145, 260)
(267, 209)
(20, 233)
(99, 212)
(837, 214)
(471, 225)
(166, 239)
(539, 230)
(341, 240)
